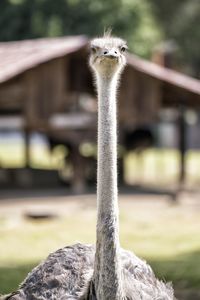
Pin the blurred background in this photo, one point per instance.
(48, 117)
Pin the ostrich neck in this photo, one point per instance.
(107, 263)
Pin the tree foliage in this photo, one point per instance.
(179, 20)
(144, 23)
(131, 19)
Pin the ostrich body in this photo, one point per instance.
(107, 272)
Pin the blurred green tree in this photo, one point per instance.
(144, 23)
(179, 20)
(131, 19)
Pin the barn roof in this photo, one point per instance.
(170, 76)
(19, 56)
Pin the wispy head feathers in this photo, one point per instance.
(107, 32)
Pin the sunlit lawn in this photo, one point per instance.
(166, 235)
(153, 166)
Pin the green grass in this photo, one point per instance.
(24, 243)
(145, 169)
(153, 163)
(166, 236)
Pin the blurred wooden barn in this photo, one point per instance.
(46, 87)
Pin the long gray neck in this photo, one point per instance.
(107, 271)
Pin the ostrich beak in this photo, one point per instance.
(111, 54)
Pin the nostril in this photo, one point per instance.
(115, 52)
(105, 52)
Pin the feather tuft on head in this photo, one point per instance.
(107, 32)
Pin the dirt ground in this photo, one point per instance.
(59, 201)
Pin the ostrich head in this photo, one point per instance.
(107, 55)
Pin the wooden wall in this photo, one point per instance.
(139, 98)
(46, 88)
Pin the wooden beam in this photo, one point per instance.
(182, 128)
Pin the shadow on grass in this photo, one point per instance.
(183, 271)
(11, 277)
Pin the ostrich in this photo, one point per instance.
(104, 272)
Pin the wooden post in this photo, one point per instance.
(78, 183)
(182, 128)
(27, 147)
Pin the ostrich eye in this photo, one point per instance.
(93, 49)
(123, 48)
